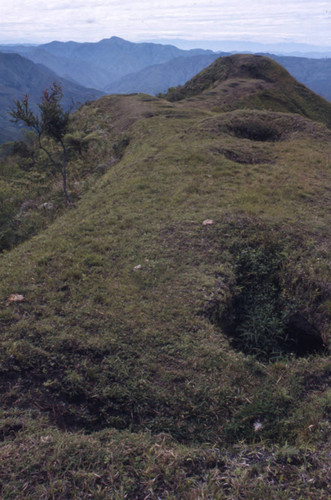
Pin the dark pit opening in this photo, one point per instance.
(304, 337)
(255, 130)
(261, 319)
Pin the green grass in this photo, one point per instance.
(113, 464)
(249, 81)
(133, 390)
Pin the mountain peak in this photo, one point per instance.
(251, 81)
(115, 40)
(247, 66)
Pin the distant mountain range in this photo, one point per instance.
(246, 46)
(314, 73)
(99, 64)
(118, 66)
(159, 77)
(20, 76)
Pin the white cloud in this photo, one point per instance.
(90, 20)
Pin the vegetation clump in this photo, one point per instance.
(51, 123)
(265, 320)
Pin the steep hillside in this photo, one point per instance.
(255, 82)
(20, 76)
(167, 336)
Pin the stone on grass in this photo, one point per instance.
(15, 297)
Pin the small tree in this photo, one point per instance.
(51, 122)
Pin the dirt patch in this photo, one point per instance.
(243, 156)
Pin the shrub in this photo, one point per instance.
(261, 317)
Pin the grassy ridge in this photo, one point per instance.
(255, 82)
(115, 333)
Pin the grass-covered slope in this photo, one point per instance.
(255, 82)
(168, 341)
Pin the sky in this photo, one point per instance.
(267, 21)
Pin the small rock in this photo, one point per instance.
(45, 439)
(15, 297)
(208, 222)
(257, 426)
(136, 268)
(47, 206)
(101, 168)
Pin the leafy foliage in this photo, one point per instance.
(52, 122)
(260, 309)
(262, 316)
(7, 220)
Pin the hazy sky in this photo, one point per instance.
(303, 21)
